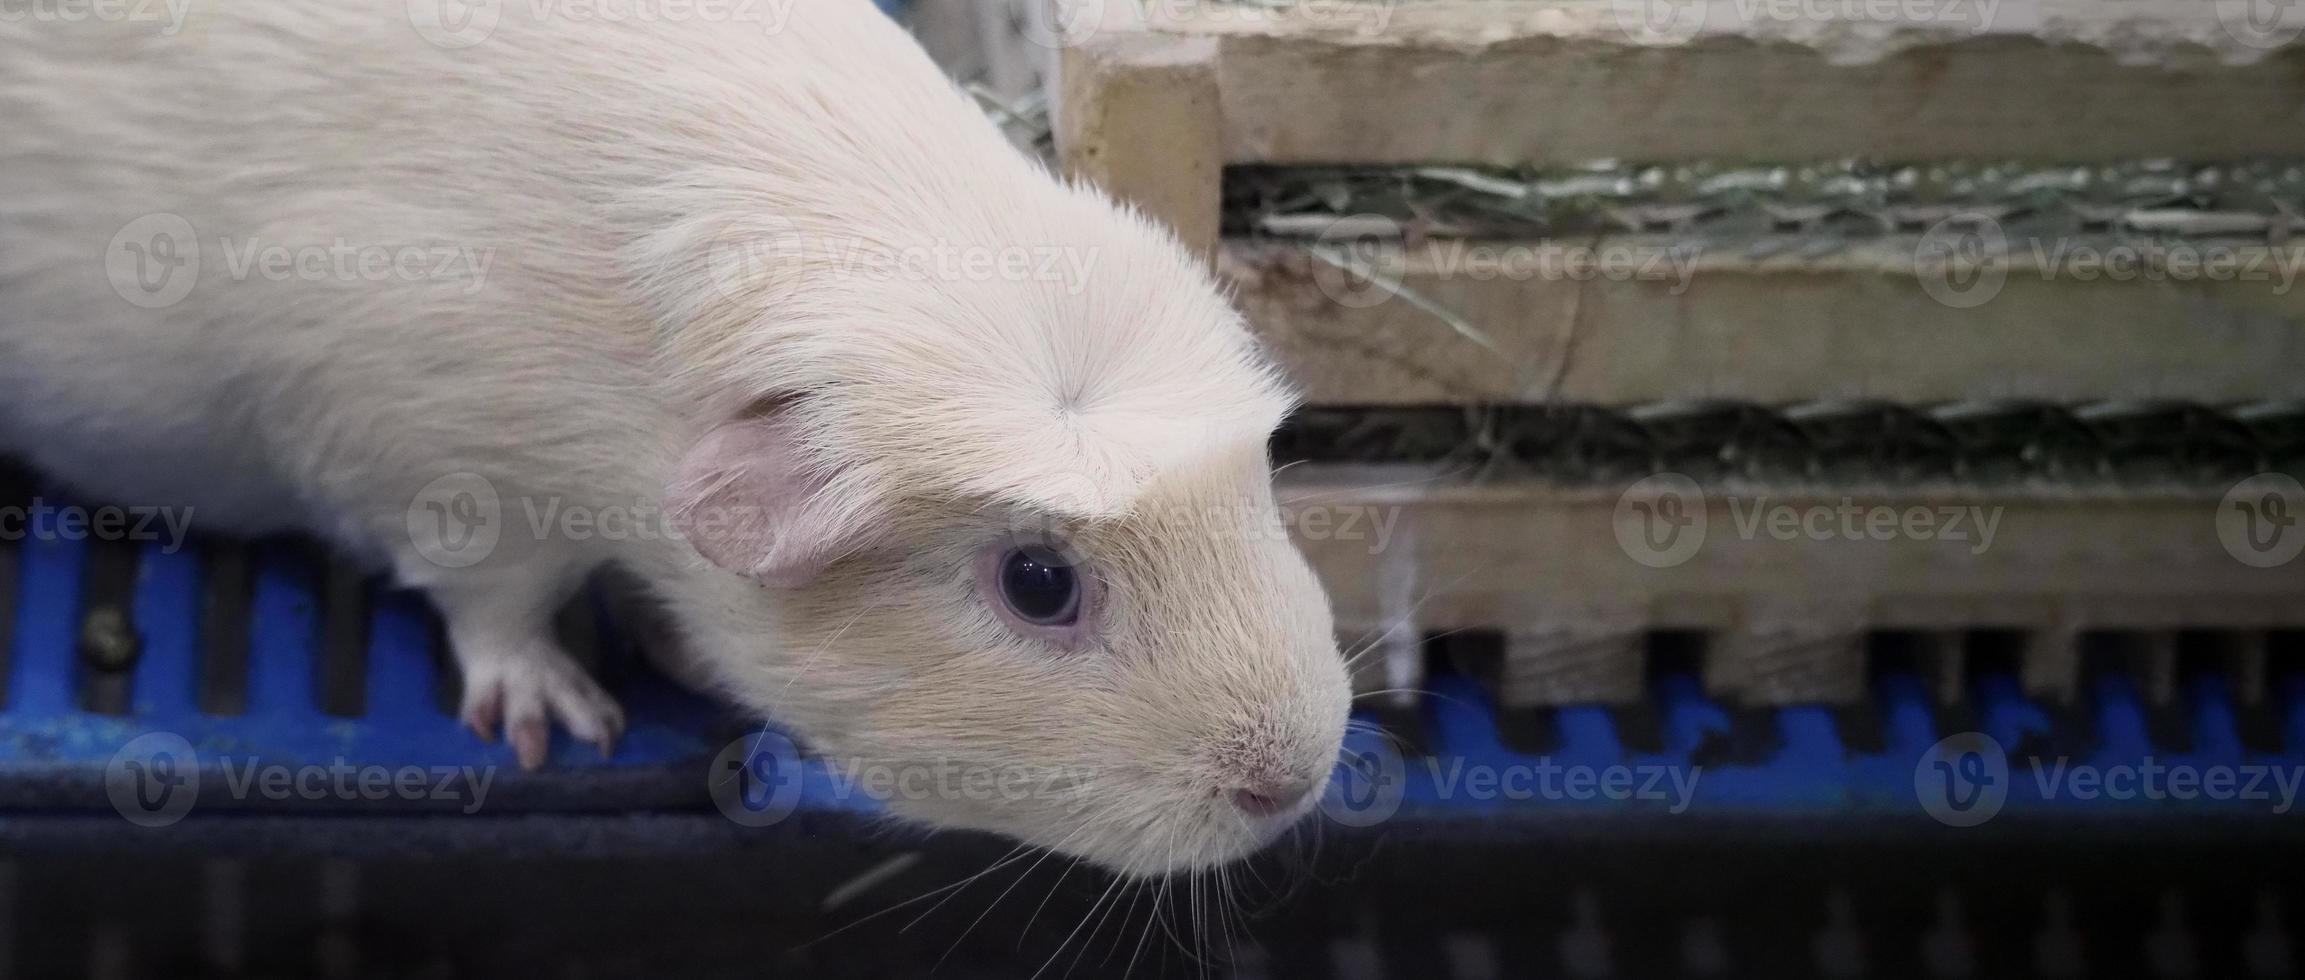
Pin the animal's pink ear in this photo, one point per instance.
(753, 500)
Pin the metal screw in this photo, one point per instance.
(108, 641)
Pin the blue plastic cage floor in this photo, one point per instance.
(1794, 761)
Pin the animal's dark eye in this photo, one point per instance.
(1040, 587)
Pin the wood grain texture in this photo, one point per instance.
(1141, 117)
(1536, 81)
(1785, 608)
(1862, 324)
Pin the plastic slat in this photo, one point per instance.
(284, 637)
(46, 672)
(167, 677)
(403, 674)
(11, 588)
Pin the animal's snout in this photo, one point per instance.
(1272, 797)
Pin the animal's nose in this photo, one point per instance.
(1270, 797)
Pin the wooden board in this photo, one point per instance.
(1783, 582)
(1708, 320)
(1515, 82)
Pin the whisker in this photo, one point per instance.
(1394, 741)
(778, 698)
(1014, 855)
(1389, 690)
(932, 893)
(1371, 645)
(1150, 915)
(1436, 477)
(1076, 929)
(1052, 890)
(980, 916)
(1096, 818)
(1450, 698)
(1135, 894)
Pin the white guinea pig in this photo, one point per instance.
(938, 461)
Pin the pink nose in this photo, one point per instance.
(1272, 797)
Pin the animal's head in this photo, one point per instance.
(1017, 551)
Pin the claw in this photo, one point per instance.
(484, 717)
(531, 739)
(524, 689)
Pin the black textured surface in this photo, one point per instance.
(16, 490)
(1824, 203)
(226, 594)
(694, 897)
(344, 623)
(2143, 443)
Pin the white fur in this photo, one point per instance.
(604, 174)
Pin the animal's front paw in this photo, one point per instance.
(524, 691)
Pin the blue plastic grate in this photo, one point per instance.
(272, 653)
